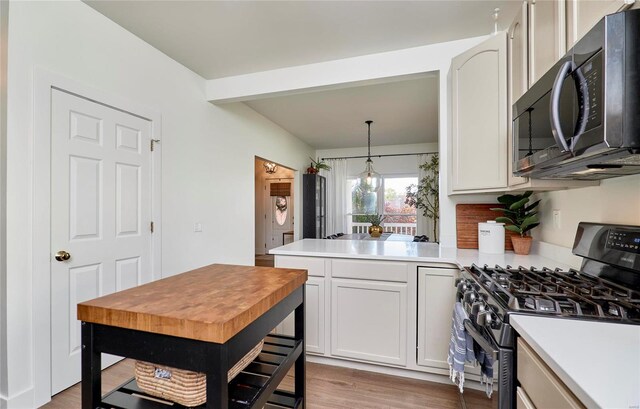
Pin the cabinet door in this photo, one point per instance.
(314, 317)
(547, 38)
(542, 386)
(518, 68)
(314, 324)
(479, 116)
(436, 297)
(369, 321)
(584, 14)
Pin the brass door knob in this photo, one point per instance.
(62, 255)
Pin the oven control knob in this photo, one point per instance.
(463, 285)
(485, 318)
(478, 307)
(470, 297)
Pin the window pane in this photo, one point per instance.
(394, 194)
(362, 203)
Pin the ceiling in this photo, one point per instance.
(403, 112)
(226, 38)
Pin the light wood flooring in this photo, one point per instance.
(265, 260)
(331, 387)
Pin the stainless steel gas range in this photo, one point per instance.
(605, 288)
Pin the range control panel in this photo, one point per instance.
(624, 240)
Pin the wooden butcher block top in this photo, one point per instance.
(212, 303)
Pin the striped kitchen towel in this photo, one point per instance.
(460, 347)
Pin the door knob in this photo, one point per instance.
(62, 255)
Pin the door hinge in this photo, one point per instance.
(153, 142)
(151, 227)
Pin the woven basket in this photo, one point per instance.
(187, 388)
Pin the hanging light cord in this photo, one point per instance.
(369, 140)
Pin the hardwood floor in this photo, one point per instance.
(330, 387)
(265, 260)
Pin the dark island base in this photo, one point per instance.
(265, 372)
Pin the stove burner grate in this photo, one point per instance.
(558, 292)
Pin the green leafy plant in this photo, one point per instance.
(319, 164)
(519, 216)
(426, 194)
(375, 219)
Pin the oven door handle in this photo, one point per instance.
(482, 341)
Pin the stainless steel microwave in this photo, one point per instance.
(581, 120)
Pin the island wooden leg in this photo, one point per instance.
(91, 371)
(300, 374)
(217, 378)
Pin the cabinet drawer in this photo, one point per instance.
(522, 400)
(313, 265)
(369, 270)
(542, 386)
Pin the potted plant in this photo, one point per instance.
(426, 194)
(375, 230)
(316, 165)
(519, 217)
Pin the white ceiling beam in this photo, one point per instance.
(357, 71)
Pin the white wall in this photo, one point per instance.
(208, 154)
(615, 201)
(390, 165)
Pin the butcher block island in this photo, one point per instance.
(205, 321)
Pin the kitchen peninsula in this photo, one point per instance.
(363, 298)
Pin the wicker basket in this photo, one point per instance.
(187, 388)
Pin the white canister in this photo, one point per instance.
(491, 237)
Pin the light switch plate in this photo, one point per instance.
(556, 219)
(197, 227)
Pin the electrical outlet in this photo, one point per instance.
(197, 227)
(557, 219)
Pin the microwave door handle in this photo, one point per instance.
(583, 96)
(484, 344)
(556, 129)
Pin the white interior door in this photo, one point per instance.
(100, 215)
(280, 213)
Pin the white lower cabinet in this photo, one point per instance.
(369, 321)
(539, 384)
(314, 317)
(436, 297)
(314, 302)
(314, 324)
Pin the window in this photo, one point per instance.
(399, 218)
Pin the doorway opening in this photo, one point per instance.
(274, 193)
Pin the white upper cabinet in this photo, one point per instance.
(547, 36)
(518, 68)
(584, 14)
(479, 116)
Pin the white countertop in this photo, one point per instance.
(408, 251)
(599, 362)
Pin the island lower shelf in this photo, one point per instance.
(259, 377)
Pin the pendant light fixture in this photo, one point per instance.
(369, 180)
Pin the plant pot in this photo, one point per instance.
(521, 245)
(375, 231)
